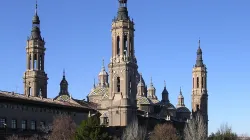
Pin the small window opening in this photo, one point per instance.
(125, 46)
(197, 107)
(118, 84)
(202, 82)
(118, 45)
(197, 82)
(29, 92)
(35, 61)
(131, 46)
(40, 62)
(40, 92)
(193, 82)
(30, 62)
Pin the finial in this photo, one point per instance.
(164, 84)
(103, 67)
(199, 42)
(94, 83)
(180, 91)
(36, 8)
(151, 81)
(64, 73)
(140, 77)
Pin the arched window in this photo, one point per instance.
(40, 92)
(131, 46)
(202, 82)
(197, 82)
(193, 82)
(30, 62)
(118, 84)
(118, 45)
(40, 63)
(35, 61)
(29, 92)
(125, 45)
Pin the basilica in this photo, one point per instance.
(120, 96)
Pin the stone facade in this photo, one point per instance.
(120, 95)
(126, 89)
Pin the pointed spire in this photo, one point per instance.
(180, 91)
(151, 81)
(64, 73)
(36, 8)
(199, 60)
(103, 66)
(122, 13)
(164, 84)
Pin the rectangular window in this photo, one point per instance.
(2, 122)
(118, 84)
(33, 125)
(24, 124)
(13, 123)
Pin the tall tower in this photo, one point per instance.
(199, 89)
(123, 69)
(35, 78)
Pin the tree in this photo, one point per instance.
(63, 128)
(164, 132)
(90, 129)
(195, 129)
(223, 133)
(134, 132)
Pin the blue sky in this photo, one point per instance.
(77, 35)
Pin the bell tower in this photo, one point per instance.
(199, 89)
(123, 69)
(35, 78)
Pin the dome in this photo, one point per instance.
(180, 96)
(167, 104)
(143, 100)
(103, 72)
(154, 101)
(140, 84)
(64, 81)
(99, 91)
(183, 109)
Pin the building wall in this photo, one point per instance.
(22, 111)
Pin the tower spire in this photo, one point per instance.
(164, 84)
(36, 8)
(122, 11)
(103, 67)
(199, 60)
(63, 73)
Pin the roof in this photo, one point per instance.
(99, 91)
(49, 101)
(167, 104)
(143, 100)
(183, 109)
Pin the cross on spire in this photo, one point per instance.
(63, 73)
(36, 8)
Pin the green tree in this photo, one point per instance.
(91, 129)
(223, 133)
